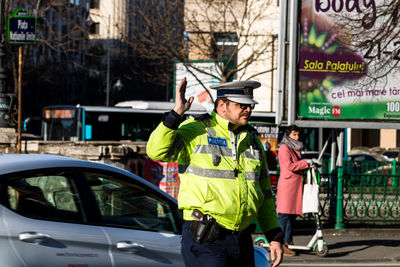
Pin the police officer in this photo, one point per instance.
(224, 178)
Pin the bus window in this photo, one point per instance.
(88, 132)
(60, 124)
(122, 125)
(141, 128)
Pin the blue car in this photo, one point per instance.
(59, 211)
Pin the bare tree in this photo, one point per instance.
(54, 69)
(155, 38)
(61, 35)
(376, 34)
(229, 33)
(371, 28)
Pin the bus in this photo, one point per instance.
(128, 120)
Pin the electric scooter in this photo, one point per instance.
(316, 243)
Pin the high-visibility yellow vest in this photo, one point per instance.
(223, 174)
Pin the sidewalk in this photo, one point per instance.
(350, 247)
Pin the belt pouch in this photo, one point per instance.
(213, 232)
(199, 230)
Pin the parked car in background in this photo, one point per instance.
(384, 176)
(361, 163)
(393, 155)
(59, 211)
(368, 157)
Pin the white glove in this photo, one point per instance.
(314, 163)
(317, 163)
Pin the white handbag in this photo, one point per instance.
(310, 193)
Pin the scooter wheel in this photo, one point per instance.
(323, 252)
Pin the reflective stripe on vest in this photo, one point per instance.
(210, 149)
(252, 155)
(257, 176)
(209, 173)
(213, 173)
(220, 174)
(227, 152)
(252, 176)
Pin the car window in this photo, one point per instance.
(49, 196)
(127, 204)
(391, 154)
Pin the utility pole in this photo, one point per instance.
(4, 98)
(108, 63)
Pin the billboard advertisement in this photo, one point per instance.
(348, 64)
(199, 74)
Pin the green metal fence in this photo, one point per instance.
(360, 192)
(371, 197)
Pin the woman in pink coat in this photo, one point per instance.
(290, 184)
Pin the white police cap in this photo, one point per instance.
(237, 91)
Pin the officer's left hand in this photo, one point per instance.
(276, 253)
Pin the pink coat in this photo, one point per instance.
(290, 184)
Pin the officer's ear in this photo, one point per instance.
(220, 105)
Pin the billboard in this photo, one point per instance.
(195, 72)
(348, 61)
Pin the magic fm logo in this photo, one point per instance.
(325, 111)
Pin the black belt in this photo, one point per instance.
(225, 231)
(218, 231)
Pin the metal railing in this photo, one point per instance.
(371, 197)
(368, 192)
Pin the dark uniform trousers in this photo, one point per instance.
(230, 249)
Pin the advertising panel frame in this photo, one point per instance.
(288, 60)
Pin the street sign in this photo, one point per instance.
(21, 27)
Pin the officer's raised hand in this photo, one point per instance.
(181, 104)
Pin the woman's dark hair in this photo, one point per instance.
(291, 128)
